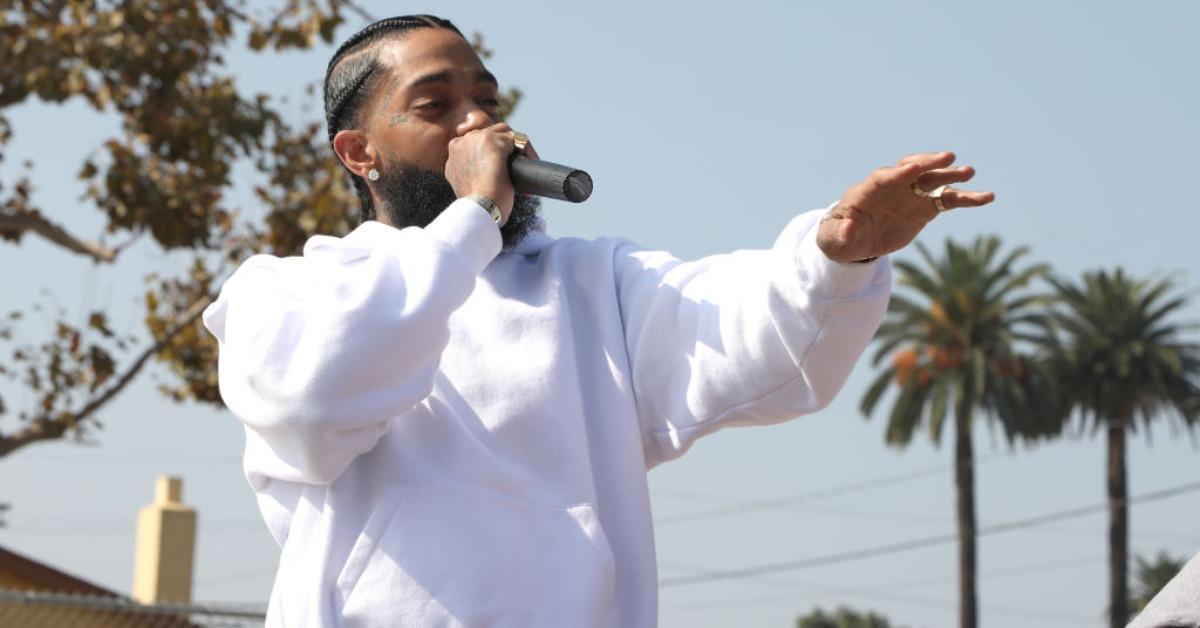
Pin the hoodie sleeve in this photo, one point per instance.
(750, 337)
(318, 353)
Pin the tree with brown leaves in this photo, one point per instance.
(157, 66)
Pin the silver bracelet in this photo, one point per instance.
(488, 206)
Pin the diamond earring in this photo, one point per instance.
(373, 174)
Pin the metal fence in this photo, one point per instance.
(54, 610)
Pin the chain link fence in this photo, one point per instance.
(55, 610)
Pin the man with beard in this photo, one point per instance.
(449, 423)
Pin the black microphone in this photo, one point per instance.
(542, 178)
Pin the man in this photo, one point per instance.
(449, 423)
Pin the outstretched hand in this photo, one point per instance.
(884, 212)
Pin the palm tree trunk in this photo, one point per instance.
(964, 484)
(1118, 526)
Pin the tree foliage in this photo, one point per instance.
(843, 618)
(954, 341)
(1150, 576)
(1120, 357)
(158, 66)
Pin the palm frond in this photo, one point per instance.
(875, 391)
(906, 414)
(937, 408)
(912, 276)
(1120, 355)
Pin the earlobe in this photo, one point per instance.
(352, 149)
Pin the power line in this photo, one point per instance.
(908, 583)
(86, 456)
(850, 512)
(220, 580)
(904, 546)
(874, 597)
(911, 518)
(877, 593)
(836, 491)
(236, 527)
(901, 517)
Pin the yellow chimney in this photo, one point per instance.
(166, 543)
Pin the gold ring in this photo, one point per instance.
(520, 140)
(935, 193)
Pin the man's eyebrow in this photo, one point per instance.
(483, 76)
(437, 77)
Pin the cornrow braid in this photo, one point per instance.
(352, 75)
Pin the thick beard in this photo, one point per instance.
(413, 197)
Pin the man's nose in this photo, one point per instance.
(474, 118)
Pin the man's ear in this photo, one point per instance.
(350, 145)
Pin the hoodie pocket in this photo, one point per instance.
(460, 556)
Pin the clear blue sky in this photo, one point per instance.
(706, 126)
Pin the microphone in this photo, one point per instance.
(542, 178)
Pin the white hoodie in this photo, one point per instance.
(440, 434)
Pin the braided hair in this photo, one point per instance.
(353, 74)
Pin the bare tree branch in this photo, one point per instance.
(49, 428)
(359, 10)
(22, 220)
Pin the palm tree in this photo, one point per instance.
(956, 342)
(1151, 576)
(1121, 361)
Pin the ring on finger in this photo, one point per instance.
(934, 193)
(520, 140)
